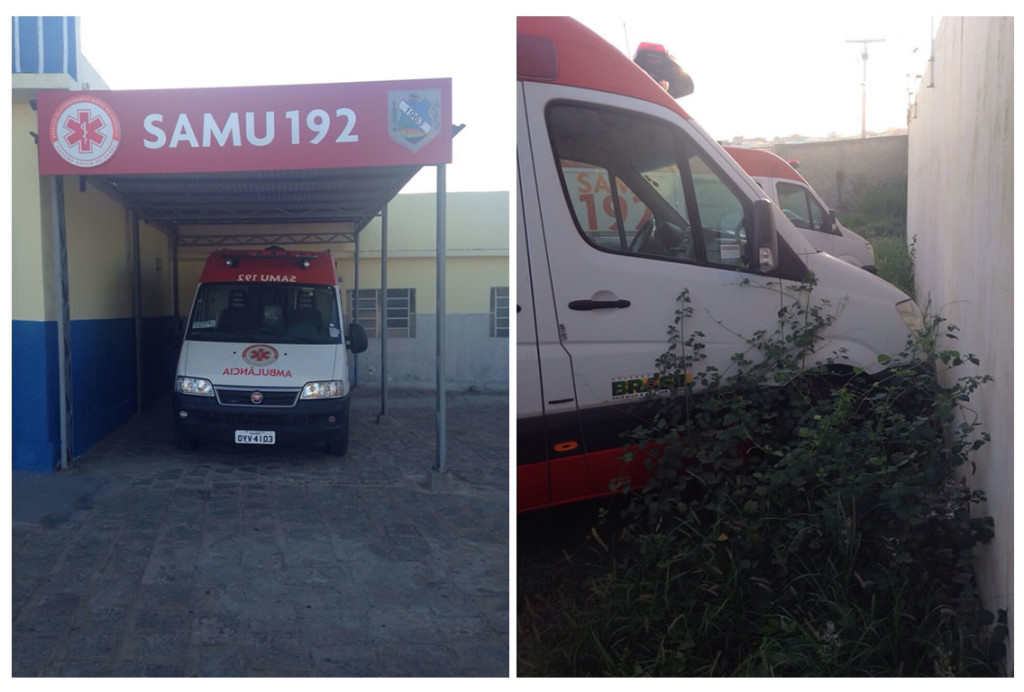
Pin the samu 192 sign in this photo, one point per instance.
(245, 128)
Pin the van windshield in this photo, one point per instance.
(282, 313)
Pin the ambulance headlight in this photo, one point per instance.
(196, 386)
(333, 389)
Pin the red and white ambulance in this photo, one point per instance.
(804, 206)
(264, 359)
(623, 203)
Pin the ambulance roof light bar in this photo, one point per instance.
(232, 257)
(663, 68)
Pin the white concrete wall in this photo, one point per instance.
(960, 208)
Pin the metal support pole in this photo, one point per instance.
(440, 466)
(58, 231)
(137, 308)
(174, 273)
(355, 310)
(382, 322)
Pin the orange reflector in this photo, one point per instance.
(566, 446)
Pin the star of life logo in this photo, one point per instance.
(85, 131)
(414, 117)
(259, 354)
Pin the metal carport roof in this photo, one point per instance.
(308, 154)
(330, 196)
(309, 196)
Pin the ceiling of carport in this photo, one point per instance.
(335, 196)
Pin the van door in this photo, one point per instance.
(636, 209)
(550, 465)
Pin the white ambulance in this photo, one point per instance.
(264, 359)
(624, 202)
(804, 207)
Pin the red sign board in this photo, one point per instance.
(245, 128)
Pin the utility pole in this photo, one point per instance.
(864, 82)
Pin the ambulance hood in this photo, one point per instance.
(253, 364)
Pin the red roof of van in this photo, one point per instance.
(560, 50)
(269, 266)
(763, 163)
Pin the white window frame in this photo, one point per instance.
(500, 318)
(400, 311)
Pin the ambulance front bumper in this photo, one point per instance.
(207, 419)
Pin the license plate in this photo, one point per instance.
(254, 437)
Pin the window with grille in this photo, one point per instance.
(399, 311)
(499, 311)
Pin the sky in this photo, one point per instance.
(773, 74)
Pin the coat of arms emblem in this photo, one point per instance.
(414, 117)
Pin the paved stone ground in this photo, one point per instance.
(146, 561)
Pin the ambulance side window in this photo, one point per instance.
(796, 204)
(722, 217)
(637, 185)
(622, 182)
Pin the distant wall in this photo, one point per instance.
(960, 208)
(835, 168)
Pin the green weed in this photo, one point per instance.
(808, 528)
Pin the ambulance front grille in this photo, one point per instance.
(243, 397)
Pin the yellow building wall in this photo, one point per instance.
(31, 249)
(468, 280)
(475, 223)
(99, 254)
(156, 271)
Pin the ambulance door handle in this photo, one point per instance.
(598, 304)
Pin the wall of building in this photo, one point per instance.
(477, 259)
(102, 308)
(35, 426)
(838, 169)
(473, 358)
(960, 208)
(101, 300)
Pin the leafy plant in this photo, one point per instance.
(809, 527)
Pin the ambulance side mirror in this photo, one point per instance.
(764, 238)
(356, 341)
(829, 223)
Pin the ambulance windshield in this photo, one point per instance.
(282, 313)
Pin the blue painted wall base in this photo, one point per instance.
(103, 377)
(35, 390)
